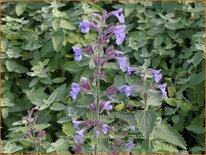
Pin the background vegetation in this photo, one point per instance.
(38, 65)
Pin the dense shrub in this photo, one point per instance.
(38, 66)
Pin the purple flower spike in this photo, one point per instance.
(126, 89)
(104, 128)
(132, 128)
(85, 26)
(129, 146)
(85, 84)
(76, 123)
(122, 63)
(108, 105)
(163, 89)
(119, 34)
(157, 75)
(119, 15)
(75, 89)
(77, 54)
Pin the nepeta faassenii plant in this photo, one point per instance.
(141, 82)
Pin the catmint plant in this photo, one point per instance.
(100, 54)
(30, 123)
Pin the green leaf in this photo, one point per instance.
(196, 79)
(57, 40)
(197, 58)
(85, 100)
(161, 147)
(65, 24)
(154, 98)
(158, 41)
(10, 148)
(72, 67)
(119, 107)
(20, 8)
(58, 106)
(68, 129)
(171, 101)
(145, 121)
(39, 127)
(166, 133)
(13, 66)
(36, 96)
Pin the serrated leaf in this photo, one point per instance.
(168, 134)
(145, 121)
(161, 147)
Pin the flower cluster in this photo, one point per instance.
(100, 56)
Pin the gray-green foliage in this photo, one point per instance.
(38, 66)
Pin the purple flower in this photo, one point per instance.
(75, 89)
(85, 26)
(76, 123)
(85, 84)
(81, 132)
(119, 15)
(104, 128)
(129, 146)
(119, 34)
(107, 105)
(130, 70)
(163, 89)
(132, 128)
(122, 63)
(77, 54)
(78, 139)
(118, 53)
(126, 89)
(157, 75)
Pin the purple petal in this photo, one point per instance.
(122, 63)
(129, 146)
(77, 53)
(163, 89)
(157, 75)
(108, 105)
(119, 15)
(119, 34)
(126, 89)
(85, 26)
(75, 89)
(104, 128)
(132, 128)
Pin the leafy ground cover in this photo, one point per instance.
(38, 69)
